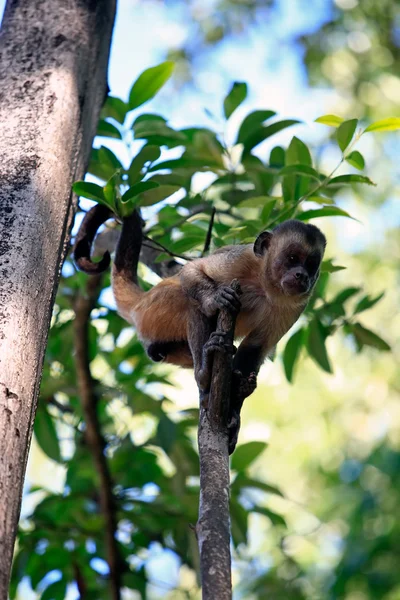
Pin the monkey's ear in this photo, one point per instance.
(262, 243)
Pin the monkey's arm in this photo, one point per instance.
(203, 282)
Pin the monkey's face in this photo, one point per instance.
(292, 255)
(296, 268)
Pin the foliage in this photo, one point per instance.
(156, 480)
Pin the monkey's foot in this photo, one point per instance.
(228, 298)
(242, 386)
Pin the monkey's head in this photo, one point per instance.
(292, 254)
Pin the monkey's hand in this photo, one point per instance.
(223, 297)
(216, 343)
(241, 388)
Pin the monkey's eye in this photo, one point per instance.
(292, 258)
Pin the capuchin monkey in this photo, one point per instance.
(176, 319)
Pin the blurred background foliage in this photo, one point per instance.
(315, 480)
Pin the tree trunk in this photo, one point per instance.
(53, 64)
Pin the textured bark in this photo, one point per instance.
(53, 63)
(213, 526)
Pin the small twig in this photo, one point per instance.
(146, 237)
(213, 526)
(94, 439)
(209, 233)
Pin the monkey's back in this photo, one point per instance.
(161, 313)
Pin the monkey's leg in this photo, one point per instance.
(246, 365)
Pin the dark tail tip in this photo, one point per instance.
(94, 218)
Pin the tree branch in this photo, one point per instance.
(213, 526)
(95, 441)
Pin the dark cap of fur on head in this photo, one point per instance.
(312, 234)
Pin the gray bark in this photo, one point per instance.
(213, 525)
(53, 64)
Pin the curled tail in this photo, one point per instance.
(124, 274)
(95, 217)
(124, 277)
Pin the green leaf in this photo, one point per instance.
(390, 124)
(316, 345)
(252, 122)
(111, 191)
(243, 481)
(92, 191)
(106, 129)
(325, 211)
(256, 202)
(103, 163)
(236, 96)
(272, 516)
(138, 188)
(330, 120)
(158, 194)
(328, 267)
(367, 302)
(277, 157)
(114, 108)
(45, 433)
(366, 337)
(301, 170)
(345, 294)
(245, 454)
(148, 154)
(262, 133)
(158, 133)
(187, 162)
(350, 178)
(55, 591)
(345, 133)
(148, 83)
(166, 433)
(356, 159)
(298, 153)
(292, 353)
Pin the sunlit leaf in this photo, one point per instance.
(277, 157)
(292, 352)
(345, 294)
(245, 454)
(330, 120)
(390, 124)
(328, 267)
(92, 191)
(350, 178)
(149, 83)
(325, 211)
(272, 516)
(235, 97)
(345, 133)
(55, 591)
(301, 170)
(356, 159)
(255, 202)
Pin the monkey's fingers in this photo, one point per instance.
(228, 298)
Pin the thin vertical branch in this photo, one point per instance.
(213, 526)
(83, 307)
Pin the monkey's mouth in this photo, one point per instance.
(294, 287)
